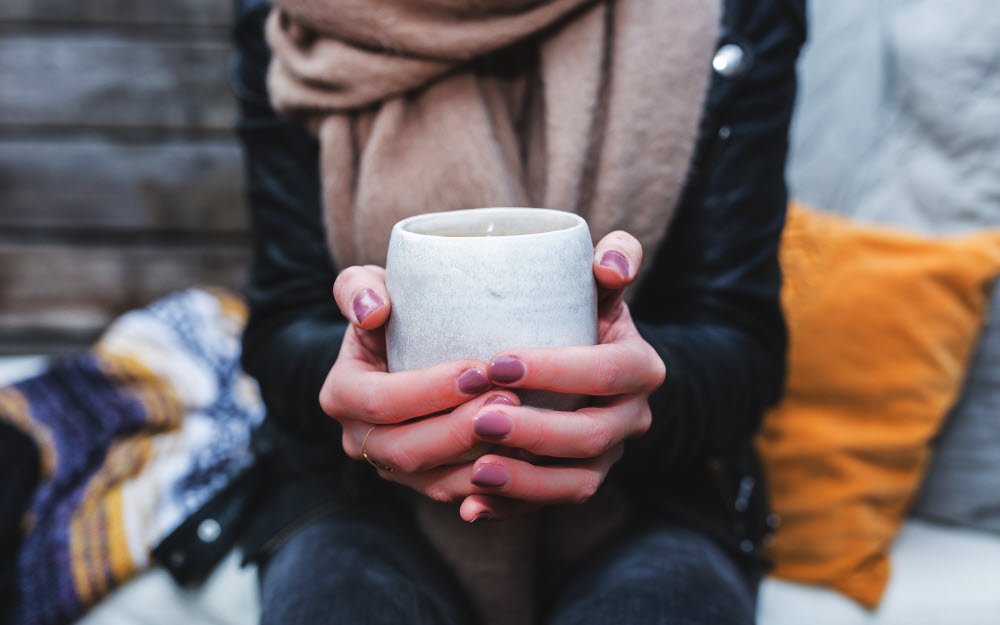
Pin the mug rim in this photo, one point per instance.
(573, 221)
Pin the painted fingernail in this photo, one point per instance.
(492, 425)
(365, 302)
(500, 399)
(490, 476)
(506, 370)
(473, 381)
(615, 260)
(482, 516)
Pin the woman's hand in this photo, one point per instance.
(379, 411)
(619, 373)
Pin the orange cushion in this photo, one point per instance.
(882, 327)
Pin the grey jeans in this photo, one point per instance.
(370, 565)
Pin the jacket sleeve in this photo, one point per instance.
(295, 328)
(710, 304)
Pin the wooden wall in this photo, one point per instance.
(120, 179)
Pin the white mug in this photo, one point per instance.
(471, 283)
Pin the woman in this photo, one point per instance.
(602, 108)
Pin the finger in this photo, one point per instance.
(477, 508)
(570, 482)
(361, 295)
(425, 443)
(366, 348)
(357, 391)
(494, 475)
(617, 258)
(585, 433)
(449, 484)
(628, 366)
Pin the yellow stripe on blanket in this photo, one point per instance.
(157, 395)
(122, 565)
(231, 306)
(98, 543)
(15, 409)
(80, 548)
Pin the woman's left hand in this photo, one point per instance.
(619, 373)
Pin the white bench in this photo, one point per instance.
(940, 576)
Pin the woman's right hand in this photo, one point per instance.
(385, 408)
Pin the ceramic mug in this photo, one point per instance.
(471, 283)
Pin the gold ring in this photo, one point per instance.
(364, 454)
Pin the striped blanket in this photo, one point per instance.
(134, 436)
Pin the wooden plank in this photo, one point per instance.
(20, 342)
(176, 185)
(111, 80)
(47, 289)
(130, 12)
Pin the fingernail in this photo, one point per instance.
(615, 260)
(500, 399)
(492, 425)
(489, 475)
(506, 370)
(365, 302)
(482, 516)
(473, 381)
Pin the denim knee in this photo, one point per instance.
(334, 571)
(662, 574)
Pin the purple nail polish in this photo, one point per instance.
(365, 302)
(500, 399)
(473, 381)
(490, 476)
(482, 516)
(615, 260)
(492, 425)
(506, 370)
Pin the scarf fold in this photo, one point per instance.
(432, 105)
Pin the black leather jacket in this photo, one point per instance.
(710, 305)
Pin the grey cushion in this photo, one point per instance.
(963, 485)
(899, 123)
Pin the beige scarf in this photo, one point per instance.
(431, 105)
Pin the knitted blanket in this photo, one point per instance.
(134, 436)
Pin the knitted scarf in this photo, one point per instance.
(432, 105)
